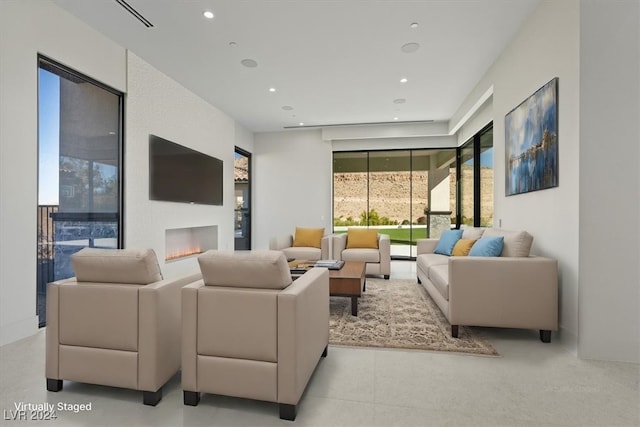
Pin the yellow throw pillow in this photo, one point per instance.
(462, 247)
(362, 238)
(308, 237)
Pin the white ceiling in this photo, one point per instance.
(333, 61)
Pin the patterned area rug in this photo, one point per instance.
(398, 314)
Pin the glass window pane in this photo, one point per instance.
(486, 179)
(350, 190)
(466, 184)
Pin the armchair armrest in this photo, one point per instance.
(426, 246)
(53, 327)
(325, 245)
(384, 245)
(303, 332)
(339, 245)
(280, 242)
(159, 331)
(517, 292)
(189, 335)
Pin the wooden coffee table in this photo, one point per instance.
(349, 281)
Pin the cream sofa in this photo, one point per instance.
(514, 290)
(378, 261)
(116, 323)
(248, 331)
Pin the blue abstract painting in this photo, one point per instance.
(531, 142)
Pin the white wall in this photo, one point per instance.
(609, 278)
(158, 105)
(590, 222)
(29, 27)
(546, 46)
(292, 183)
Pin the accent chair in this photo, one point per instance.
(248, 331)
(116, 323)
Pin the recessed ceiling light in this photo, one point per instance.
(272, 89)
(414, 25)
(395, 118)
(301, 124)
(403, 80)
(287, 107)
(399, 101)
(208, 14)
(249, 63)
(410, 47)
(233, 44)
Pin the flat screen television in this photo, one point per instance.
(180, 174)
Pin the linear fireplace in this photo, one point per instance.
(186, 242)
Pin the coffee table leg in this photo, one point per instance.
(354, 306)
(364, 285)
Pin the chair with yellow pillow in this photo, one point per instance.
(306, 244)
(362, 244)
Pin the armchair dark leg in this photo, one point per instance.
(386, 277)
(288, 412)
(419, 280)
(545, 335)
(54, 385)
(152, 398)
(324, 353)
(191, 398)
(454, 331)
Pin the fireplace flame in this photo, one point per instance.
(181, 253)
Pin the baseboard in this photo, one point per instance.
(17, 330)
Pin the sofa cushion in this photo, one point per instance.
(362, 238)
(447, 241)
(425, 261)
(361, 254)
(245, 269)
(310, 254)
(439, 276)
(308, 237)
(472, 232)
(462, 247)
(487, 246)
(127, 266)
(516, 243)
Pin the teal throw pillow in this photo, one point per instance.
(447, 241)
(487, 246)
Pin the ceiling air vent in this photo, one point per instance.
(135, 13)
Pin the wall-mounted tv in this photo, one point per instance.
(180, 174)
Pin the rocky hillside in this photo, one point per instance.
(390, 194)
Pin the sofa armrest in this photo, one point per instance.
(159, 331)
(517, 292)
(303, 332)
(280, 242)
(426, 246)
(189, 294)
(339, 245)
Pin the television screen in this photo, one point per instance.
(180, 174)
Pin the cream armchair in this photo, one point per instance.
(302, 246)
(248, 331)
(116, 323)
(378, 260)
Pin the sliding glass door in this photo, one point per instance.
(79, 170)
(407, 194)
(476, 180)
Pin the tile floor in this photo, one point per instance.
(531, 384)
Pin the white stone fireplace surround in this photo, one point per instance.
(187, 242)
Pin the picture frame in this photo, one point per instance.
(531, 142)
